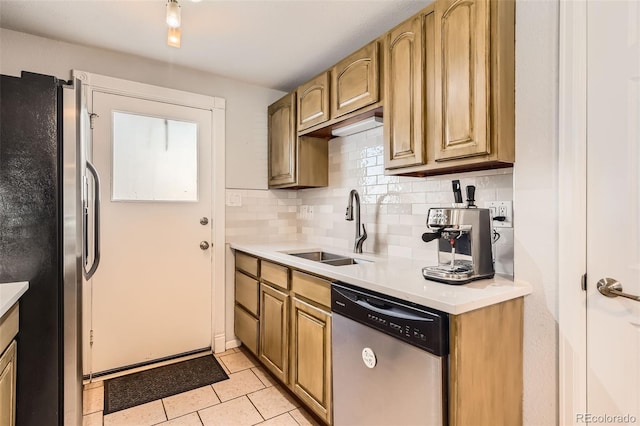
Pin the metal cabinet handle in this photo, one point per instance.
(96, 217)
(204, 245)
(612, 288)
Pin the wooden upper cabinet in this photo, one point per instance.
(355, 81)
(294, 161)
(313, 102)
(282, 141)
(404, 87)
(462, 76)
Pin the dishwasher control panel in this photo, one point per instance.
(419, 326)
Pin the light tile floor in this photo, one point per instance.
(249, 397)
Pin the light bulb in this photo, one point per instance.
(173, 37)
(173, 14)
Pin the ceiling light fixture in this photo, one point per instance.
(173, 37)
(173, 21)
(173, 14)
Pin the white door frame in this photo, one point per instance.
(572, 211)
(217, 107)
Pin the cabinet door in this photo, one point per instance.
(282, 141)
(8, 386)
(274, 327)
(462, 78)
(404, 91)
(313, 102)
(354, 81)
(311, 357)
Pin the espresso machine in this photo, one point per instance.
(464, 237)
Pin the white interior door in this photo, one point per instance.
(613, 208)
(151, 296)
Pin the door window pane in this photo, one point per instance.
(154, 159)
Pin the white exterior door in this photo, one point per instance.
(152, 294)
(613, 210)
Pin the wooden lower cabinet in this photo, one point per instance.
(311, 356)
(292, 339)
(485, 365)
(8, 386)
(274, 331)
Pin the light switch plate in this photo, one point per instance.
(501, 208)
(234, 199)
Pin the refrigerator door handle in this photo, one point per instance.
(96, 217)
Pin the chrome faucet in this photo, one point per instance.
(357, 246)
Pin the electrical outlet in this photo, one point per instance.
(304, 212)
(501, 208)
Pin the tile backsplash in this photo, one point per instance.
(394, 208)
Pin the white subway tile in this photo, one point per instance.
(376, 189)
(400, 187)
(388, 179)
(413, 198)
(398, 251)
(401, 209)
(374, 151)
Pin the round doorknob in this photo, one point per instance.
(204, 221)
(204, 245)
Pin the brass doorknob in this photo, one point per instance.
(204, 245)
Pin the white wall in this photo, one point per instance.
(246, 104)
(536, 201)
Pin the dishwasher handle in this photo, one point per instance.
(380, 306)
(391, 311)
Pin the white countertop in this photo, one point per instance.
(394, 276)
(10, 293)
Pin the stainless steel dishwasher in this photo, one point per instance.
(389, 360)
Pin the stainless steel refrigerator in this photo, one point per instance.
(43, 240)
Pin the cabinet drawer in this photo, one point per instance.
(277, 275)
(247, 292)
(8, 327)
(246, 329)
(246, 263)
(312, 288)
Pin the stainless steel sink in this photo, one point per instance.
(346, 261)
(317, 256)
(329, 258)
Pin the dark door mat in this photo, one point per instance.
(160, 382)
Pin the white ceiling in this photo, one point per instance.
(273, 43)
